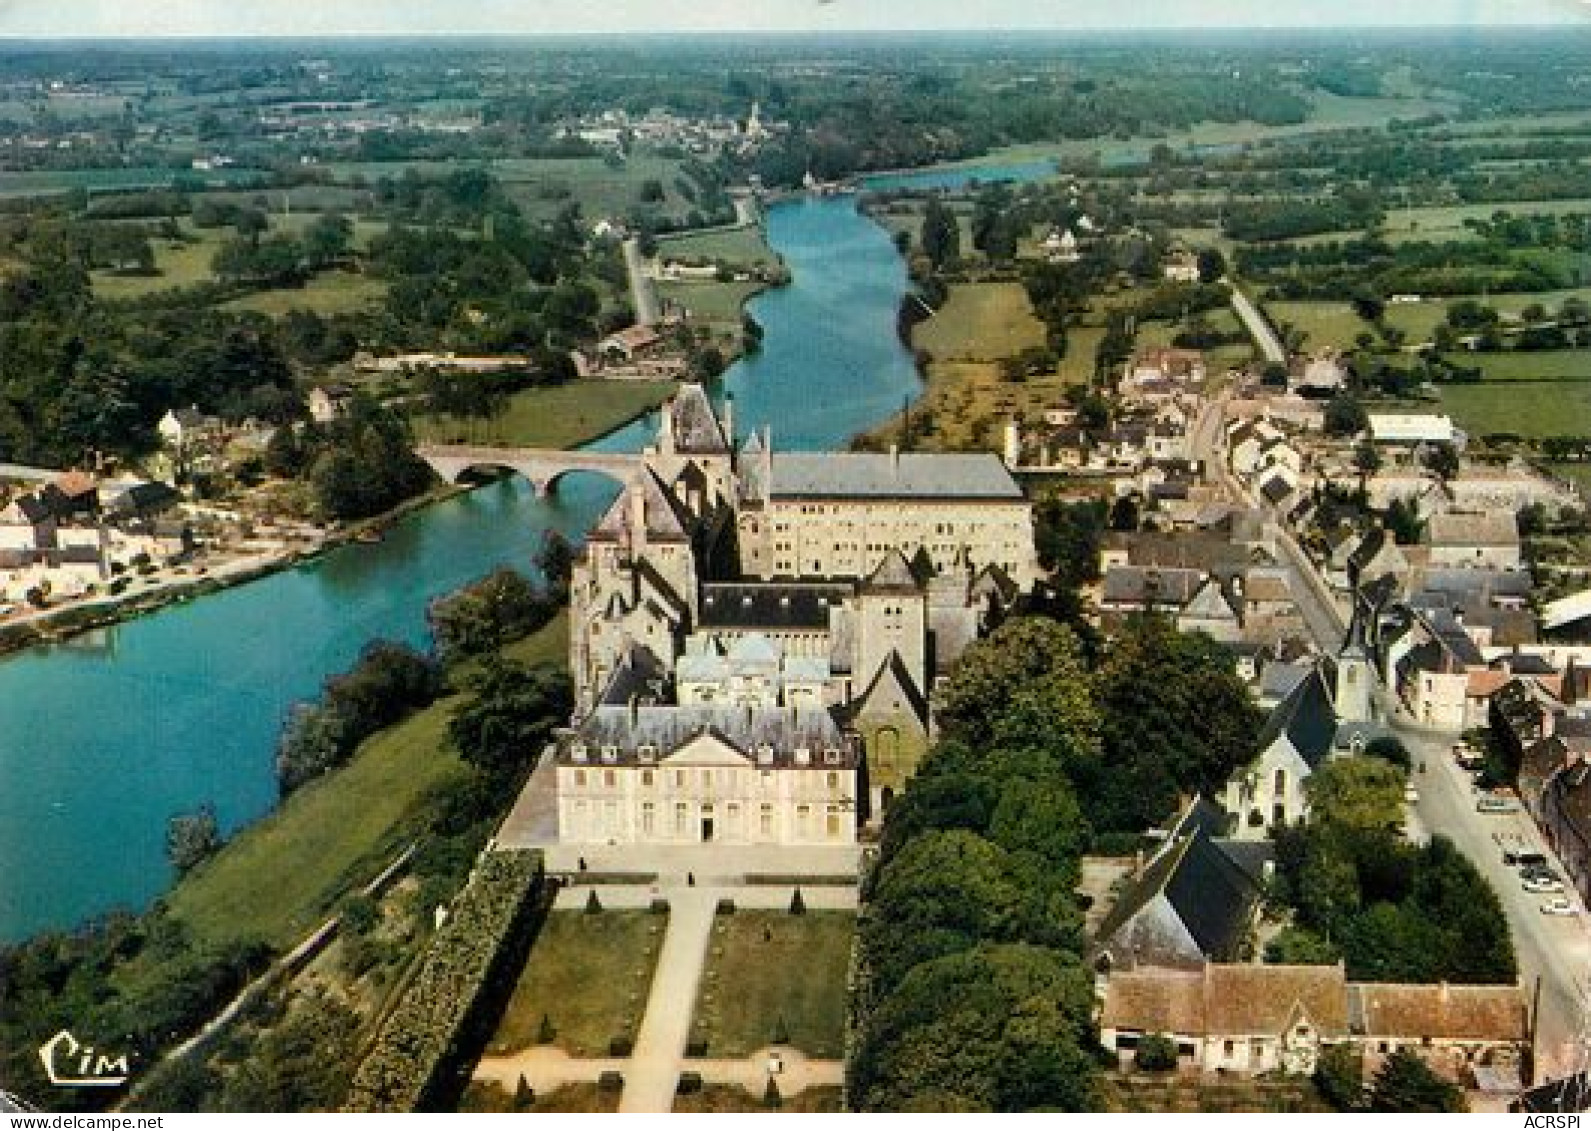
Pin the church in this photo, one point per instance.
(756, 635)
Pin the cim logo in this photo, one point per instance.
(71, 1064)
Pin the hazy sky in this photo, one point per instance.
(323, 17)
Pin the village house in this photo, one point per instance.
(1485, 540)
(1247, 1020)
(1180, 266)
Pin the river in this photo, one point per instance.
(101, 740)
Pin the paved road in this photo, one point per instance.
(1555, 950)
(641, 291)
(1259, 329)
(660, 1046)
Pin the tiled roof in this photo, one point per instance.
(841, 475)
(1478, 1013)
(1227, 1000)
(1457, 529)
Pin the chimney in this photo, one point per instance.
(665, 429)
(729, 419)
(767, 459)
(637, 518)
(894, 460)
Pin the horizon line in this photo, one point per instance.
(677, 33)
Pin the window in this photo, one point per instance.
(578, 752)
(831, 756)
(833, 780)
(580, 778)
(610, 753)
(647, 753)
(803, 756)
(646, 778)
(610, 780)
(765, 820)
(682, 818)
(648, 818)
(764, 755)
(679, 779)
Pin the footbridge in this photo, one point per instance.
(544, 467)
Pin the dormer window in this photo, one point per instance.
(803, 756)
(610, 753)
(764, 755)
(577, 752)
(831, 756)
(647, 753)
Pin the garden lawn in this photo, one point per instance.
(731, 1098)
(744, 247)
(590, 976)
(1529, 365)
(557, 416)
(765, 968)
(333, 292)
(717, 304)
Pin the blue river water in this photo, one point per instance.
(104, 738)
(955, 178)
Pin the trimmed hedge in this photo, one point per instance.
(429, 1029)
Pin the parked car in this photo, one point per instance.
(1491, 803)
(1541, 885)
(1521, 858)
(1559, 906)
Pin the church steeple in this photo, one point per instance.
(1355, 676)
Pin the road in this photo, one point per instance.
(641, 292)
(1259, 329)
(1555, 950)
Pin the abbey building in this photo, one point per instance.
(756, 635)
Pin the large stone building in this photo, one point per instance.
(755, 637)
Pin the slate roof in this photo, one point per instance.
(665, 521)
(696, 427)
(1306, 718)
(1207, 891)
(788, 605)
(867, 475)
(1138, 585)
(892, 672)
(893, 575)
(667, 728)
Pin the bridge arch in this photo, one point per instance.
(545, 469)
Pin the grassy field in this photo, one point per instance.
(729, 1098)
(1530, 365)
(562, 416)
(335, 292)
(1446, 223)
(1546, 409)
(768, 967)
(277, 878)
(1419, 320)
(718, 304)
(589, 975)
(744, 247)
(1168, 1094)
(1152, 335)
(981, 322)
(1326, 323)
(1577, 473)
(177, 264)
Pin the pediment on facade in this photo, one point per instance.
(706, 750)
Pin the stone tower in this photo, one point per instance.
(1355, 676)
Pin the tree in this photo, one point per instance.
(1339, 1074)
(500, 608)
(1389, 748)
(1212, 265)
(555, 560)
(192, 838)
(1357, 793)
(1403, 520)
(1407, 1084)
(1345, 416)
(503, 726)
(1366, 459)
(1156, 1053)
(1442, 461)
(998, 1028)
(941, 234)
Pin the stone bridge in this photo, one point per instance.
(544, 467)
